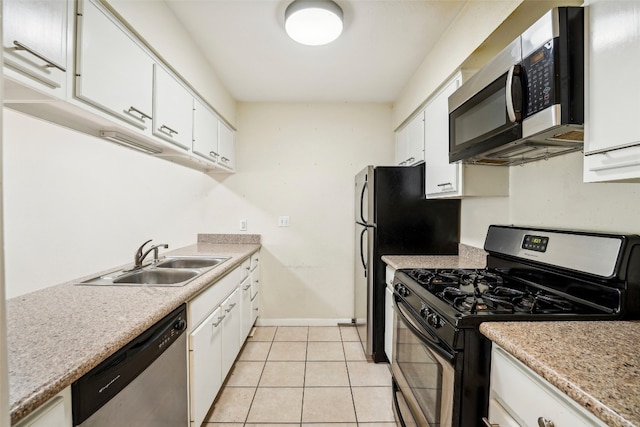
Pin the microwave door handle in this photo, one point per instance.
(513, 115)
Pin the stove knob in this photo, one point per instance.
(402, 290)
(424, 312)
(433, 320)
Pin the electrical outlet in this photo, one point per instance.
(283, 221)
(243, 225)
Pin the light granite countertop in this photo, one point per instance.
(469, 257)
(58, 334)
(597, 364)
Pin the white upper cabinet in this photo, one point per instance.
(35, 36)
(612, 135)
(410, 142)
(441, 176)
(444, 179)
(172, 109)
(226, 147)
(212, 139)
(113, 71)
(205, 132)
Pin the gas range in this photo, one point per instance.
(524, 281)
(531, 275)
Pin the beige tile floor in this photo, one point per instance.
(305, 376)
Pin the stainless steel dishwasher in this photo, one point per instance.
(142, 384)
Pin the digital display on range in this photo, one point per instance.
(535, 243)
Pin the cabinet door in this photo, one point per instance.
(227, 147)
(205, 363)
(231, 331)
(388, 323)
(613, 90)
(172, 109)
(245, 307)
(35, 40)
(205, 132)
(514, 386)
(410, 142)
(441, 177)
(55, 413)
(114, 72)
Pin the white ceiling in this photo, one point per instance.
(383, 43)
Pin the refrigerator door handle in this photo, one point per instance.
(364, 189)
(364, 262)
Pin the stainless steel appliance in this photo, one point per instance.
(392, 217)
(528, 102)
(441, 361)
(144, 384)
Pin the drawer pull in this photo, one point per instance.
(543, 422)
(487, 423)
(50, 63)
(244, 288)
(230, 307)
(220, 319)
(166, 129)
(133, 109)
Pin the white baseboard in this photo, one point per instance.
(302, 322)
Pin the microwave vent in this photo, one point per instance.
(573, 136)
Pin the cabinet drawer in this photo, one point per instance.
(245, 269)
(514, 386)
(204, 303)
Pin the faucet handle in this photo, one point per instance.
(138, 255)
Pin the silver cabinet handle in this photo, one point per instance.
(444, 184)
(244, 288)
(224, 159)
(487, 423)
(220, 319)
(166, 129)
(133, 109)
(230, 307)
(213, 154)
(257, 281)
(543, 422)
(410, 159)
(50, 63)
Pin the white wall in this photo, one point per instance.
(75, 204)
(551, 194)
(300, 160)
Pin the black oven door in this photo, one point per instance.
(423, 372)
(489, 119)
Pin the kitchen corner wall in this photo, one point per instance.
(300, 160)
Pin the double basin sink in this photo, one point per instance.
(169, 271)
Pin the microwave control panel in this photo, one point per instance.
(539, 79)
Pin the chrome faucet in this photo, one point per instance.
(140, 256)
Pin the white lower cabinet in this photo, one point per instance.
(205, 353)
(255, 290)
(55, 413)
(388, 312)
(514, 387)
(231, 323)
(219, 320)
(245, 307)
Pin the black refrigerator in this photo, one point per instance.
(393, 217)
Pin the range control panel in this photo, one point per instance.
(535, 243)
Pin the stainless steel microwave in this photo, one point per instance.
(527, 103)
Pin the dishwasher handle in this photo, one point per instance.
(94, 389)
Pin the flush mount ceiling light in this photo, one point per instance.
(313, 22)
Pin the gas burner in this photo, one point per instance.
(540, 302)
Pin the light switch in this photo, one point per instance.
(243, 225)
(283, 221)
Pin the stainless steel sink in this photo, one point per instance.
(170, 271)
(190, 262)
(157, 276)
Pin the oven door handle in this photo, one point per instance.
(425, 335)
